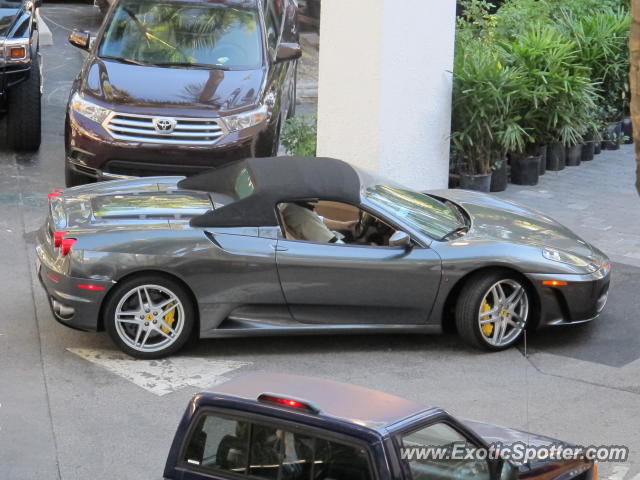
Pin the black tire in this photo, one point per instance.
(468, 307)
(275, 145)
(24, 106)
(73, 178)
(294, 94)
(122, 289)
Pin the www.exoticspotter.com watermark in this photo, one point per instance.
(518, 452)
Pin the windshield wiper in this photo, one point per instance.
(455, 231)
(123, 60)
(190, 64)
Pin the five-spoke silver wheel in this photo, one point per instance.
(149, 318)
(493, 309)
(503, 312)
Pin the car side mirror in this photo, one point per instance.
(288, 51)
(36, 4)
(400, 239)
(80, 39)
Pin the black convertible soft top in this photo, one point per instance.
(257, 185)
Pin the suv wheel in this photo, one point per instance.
(24, 106)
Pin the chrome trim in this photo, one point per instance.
(188, 131)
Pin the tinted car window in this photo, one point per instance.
(428, 467)
(269, 452)
(219, 444)
(179, 32)
(273, 23)
(337, 461)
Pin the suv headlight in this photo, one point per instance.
(88, 109)
(246, 119)
(568, 258)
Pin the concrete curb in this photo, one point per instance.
(46, 37)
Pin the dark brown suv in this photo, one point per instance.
(179, 86)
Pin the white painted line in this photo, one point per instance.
(618, 473)
(165, 376)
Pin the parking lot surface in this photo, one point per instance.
(72, 407)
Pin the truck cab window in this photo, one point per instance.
(219, 444)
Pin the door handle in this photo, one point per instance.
(278, 248)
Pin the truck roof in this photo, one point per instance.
(351, 403)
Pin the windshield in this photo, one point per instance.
(424, 213)
(181, 33)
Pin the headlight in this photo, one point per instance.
(246, 119)
(568, 258)
(90, 110)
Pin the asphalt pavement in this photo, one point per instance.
(72, 407)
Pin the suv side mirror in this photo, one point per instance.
(80, 39)
(288, 51)
(400, 239)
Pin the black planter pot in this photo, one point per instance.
(542, 152)
(588, 148)
(588, 151)
(556, 155)
(499, 178)
(525, 170)
(479, 183)
(574, 155)
(627, 130)
(597, 148)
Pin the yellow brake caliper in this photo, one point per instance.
(486, 328)
(169, 318)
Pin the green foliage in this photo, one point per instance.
(557, 98)
(533, 72)
(299, 136)
(484, 123)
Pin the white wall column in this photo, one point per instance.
(384, 93)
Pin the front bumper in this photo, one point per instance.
(71, 305)
(581, 300)
(93, 152)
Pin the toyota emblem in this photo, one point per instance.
(164, 125)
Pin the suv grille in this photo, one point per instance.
(164, 130)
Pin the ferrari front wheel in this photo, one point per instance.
(149, 317)
(493, 311)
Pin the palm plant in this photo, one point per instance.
(556, 97)
(602, 40)
(484, 124)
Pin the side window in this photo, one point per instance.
(425, 461)
(333, 223)
(337, 461)
(273, 23)
(219, 444)
(272, 453)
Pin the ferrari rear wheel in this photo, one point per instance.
(493, 311)
(149, 317)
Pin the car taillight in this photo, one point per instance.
(66, 244)
(57, 238)
(54, 194)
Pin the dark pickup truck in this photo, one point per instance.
(285, 427)
(20, 74)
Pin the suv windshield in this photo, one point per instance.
(424, 213)
(182, 34)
